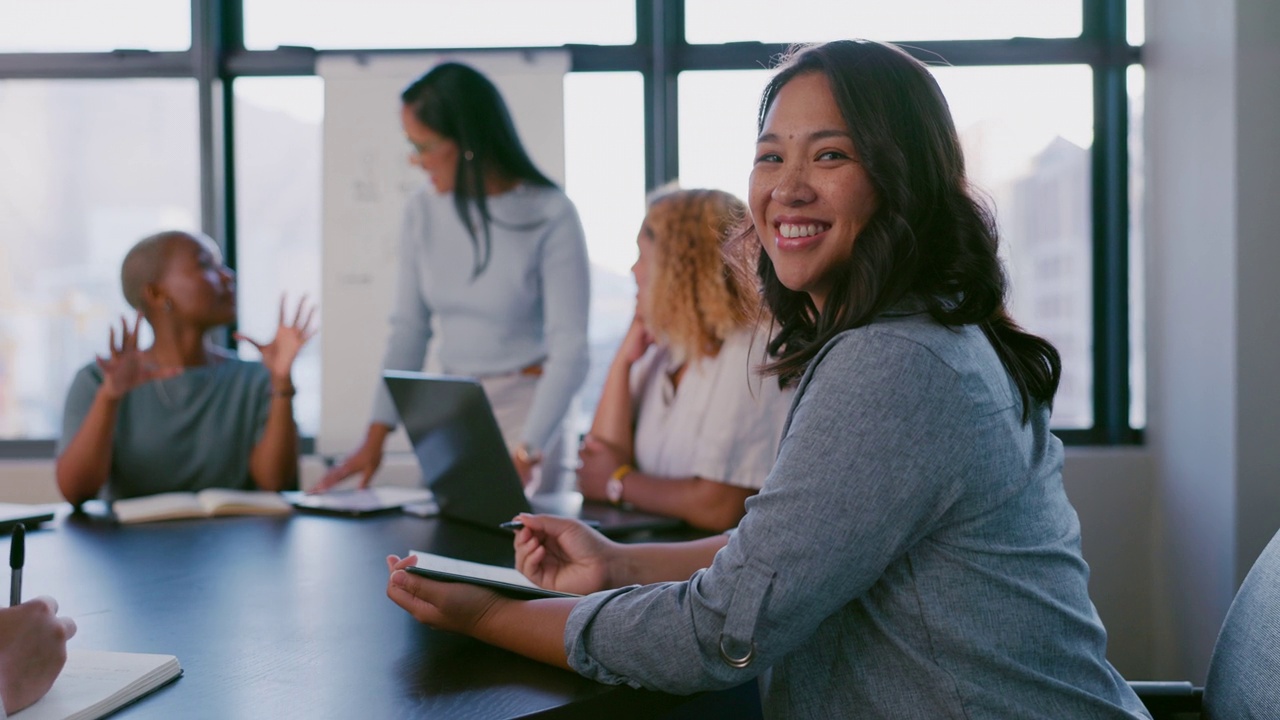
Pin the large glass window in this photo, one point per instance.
(604, 176)
(721, 21)
(437, 23)
(91, 167)
(277, 160)
(94, 25)
(718, 127)
(1027, 134)
(1137, 253)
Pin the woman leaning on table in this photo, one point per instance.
(685, 427)
(912, 554)
(496, 257)
(182, 414)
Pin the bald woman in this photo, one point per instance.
(182, 414)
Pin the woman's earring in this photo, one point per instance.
(469, 155)
(168, 305)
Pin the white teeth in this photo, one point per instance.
(788, 230)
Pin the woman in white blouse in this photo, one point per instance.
(685, 427)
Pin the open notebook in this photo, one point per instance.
(95, 683)
(206, 503)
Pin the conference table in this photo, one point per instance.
(287, 617)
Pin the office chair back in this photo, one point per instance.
(1244, 674)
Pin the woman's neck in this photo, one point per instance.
(498, 184)
(187, 347)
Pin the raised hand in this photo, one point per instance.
(279, 354)
(127, 367)
(563, 554)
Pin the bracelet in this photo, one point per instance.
(287, 392)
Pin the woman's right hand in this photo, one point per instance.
(563, 554)
(127, 367)
(33, 649)
(365, 460)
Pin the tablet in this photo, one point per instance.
(507, 581)
(355, 503)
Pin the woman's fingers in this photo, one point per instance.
(246, 338)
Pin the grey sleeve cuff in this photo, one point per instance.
(575, 641)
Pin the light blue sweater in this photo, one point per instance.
(528, 306)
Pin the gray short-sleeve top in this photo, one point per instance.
(189, 432)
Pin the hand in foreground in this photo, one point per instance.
(598, 460)
(364, 461)
(563, 554)
(127, 367)
(33, 649)
(455, 607)
(291, 336)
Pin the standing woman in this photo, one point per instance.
(913, 553)
(183, 414)
(496, 257)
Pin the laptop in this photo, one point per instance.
(466, 464)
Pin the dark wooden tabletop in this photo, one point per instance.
(288, 618)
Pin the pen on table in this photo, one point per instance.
(17, 554)
(514, 525)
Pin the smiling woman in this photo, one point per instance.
(182, 414)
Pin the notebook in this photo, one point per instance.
(466, 465)
(94, 683)
(206, 503)
(14, 514)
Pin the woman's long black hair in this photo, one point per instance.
(929, 238)
(456, 101)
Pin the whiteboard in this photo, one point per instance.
(366, 179)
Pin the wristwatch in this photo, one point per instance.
(613, 487)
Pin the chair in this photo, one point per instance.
(1244, 673)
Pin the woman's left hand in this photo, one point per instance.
(279, 354)
(597, 461)
(455, 607)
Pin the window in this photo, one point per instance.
(278, 122)
(604, 176)
(103, 147)
(437, 23)
(91, 168)
(93, 25)
(721, 21)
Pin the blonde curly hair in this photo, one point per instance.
(696, 300)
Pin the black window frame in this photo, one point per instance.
(660, 53)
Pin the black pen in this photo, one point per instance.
(17, 554)
(514, 525)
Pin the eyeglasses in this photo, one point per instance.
(427, 148)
